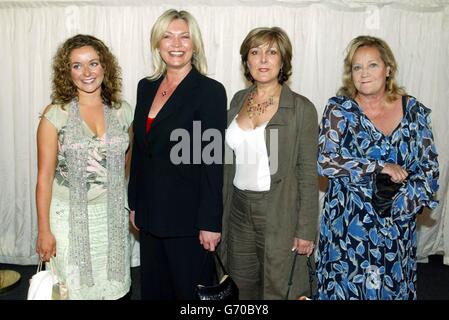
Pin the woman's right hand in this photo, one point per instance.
(46, 245)
(132, 219)
(396, 172)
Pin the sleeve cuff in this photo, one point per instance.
(380, 164)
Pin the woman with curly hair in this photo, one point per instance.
(82, 139)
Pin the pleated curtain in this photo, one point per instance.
(31, 31)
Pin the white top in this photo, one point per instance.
(252, 169)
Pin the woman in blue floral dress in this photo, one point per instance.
(372, 127)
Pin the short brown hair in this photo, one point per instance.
(391, 87)
(64, 90)
(259, 36)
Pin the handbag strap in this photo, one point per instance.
(206, 255)
(217, 256)
(311, 273)
(40, 265)
(290, 278)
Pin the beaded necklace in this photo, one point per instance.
(257, 109)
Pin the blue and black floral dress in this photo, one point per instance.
(362, 255)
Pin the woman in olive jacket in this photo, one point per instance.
(270, 196)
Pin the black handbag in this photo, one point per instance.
(225, 290)
(384, 192)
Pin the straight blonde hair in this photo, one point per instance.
(157, 33)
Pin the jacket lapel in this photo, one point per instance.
(141, 118)
(238, 105)
(286, 101)
(182, 94)
(232, 113)
(279, 122)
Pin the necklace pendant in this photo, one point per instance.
(164, 93)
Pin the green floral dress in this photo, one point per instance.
(97, 211)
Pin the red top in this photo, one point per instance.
(149, 122)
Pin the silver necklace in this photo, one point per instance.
(167, 90)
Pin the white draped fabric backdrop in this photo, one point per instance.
(31, 31)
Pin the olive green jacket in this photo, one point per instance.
(293, 196)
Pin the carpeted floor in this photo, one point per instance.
(433, 281)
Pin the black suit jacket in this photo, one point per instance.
(174, 200)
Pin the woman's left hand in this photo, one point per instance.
(303, 247)
(209, 239)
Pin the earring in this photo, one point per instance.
(281, 74)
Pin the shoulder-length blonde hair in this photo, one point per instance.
(157, 33)
(63, 88)
(260, 36)
(391, 87)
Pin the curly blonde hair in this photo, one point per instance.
(392, 89)
(63, 88)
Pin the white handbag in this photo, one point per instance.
(44, 285)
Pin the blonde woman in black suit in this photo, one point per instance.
(176, 205)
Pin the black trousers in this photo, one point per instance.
(171, 268)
